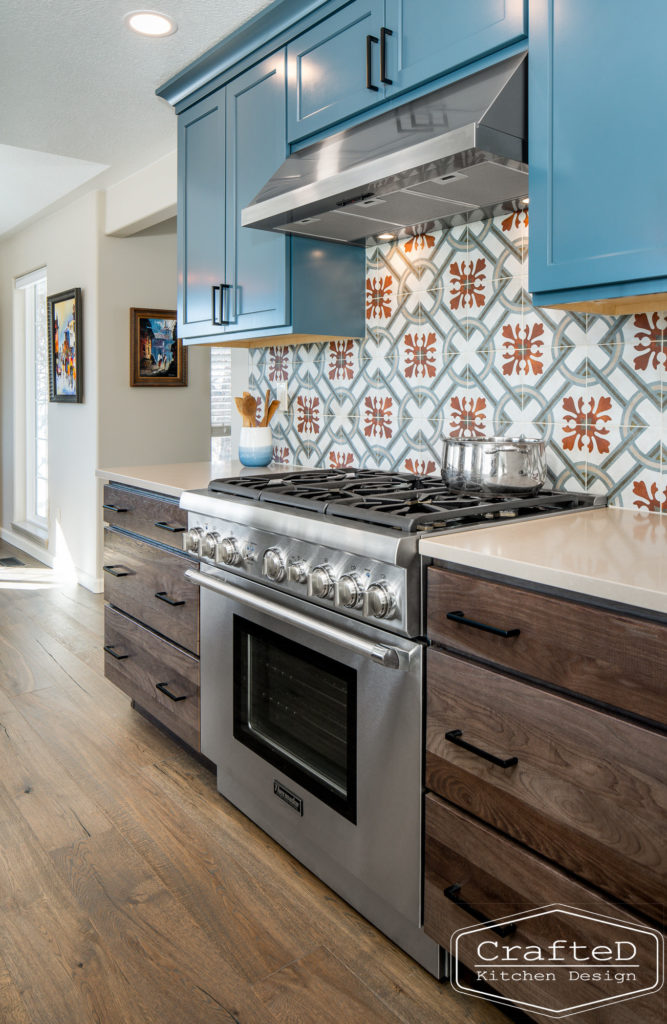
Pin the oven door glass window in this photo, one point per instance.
(296, 708)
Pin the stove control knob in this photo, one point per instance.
(273, 565)
(320, 582)
(378, 601)
(347, 591)
(192, 539)
(209, 545)
(229, 552)
(297, 571)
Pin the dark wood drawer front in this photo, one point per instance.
(139, 662)
(136, 572)
(149, 515)
(600, 654)
(589, 789)
(486, 875)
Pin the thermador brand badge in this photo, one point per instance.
(558, 961)
(290, 798)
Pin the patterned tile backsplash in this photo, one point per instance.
(454, 346)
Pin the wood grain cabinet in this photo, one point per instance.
(546, 759)
(151, 625)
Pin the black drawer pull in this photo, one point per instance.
(162, 595)
(118, 570)
(455, 737)
(162, 687)
(462, 621)
(170, 527)
(384, 32)
(109, 648)
(114, 508)
(452, 893)
(219, 321)
(369, 49)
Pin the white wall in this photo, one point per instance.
(66, 242)
(115, 424)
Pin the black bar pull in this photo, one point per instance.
(214, 316)
(455, 737)
(452, 893)
(225, 321)
(369, 52)
(109, 648)
(462, 621)
(162, 687)
(118, 570)
(169, 526)
(115, 508)
(384, 32)
(162, 595)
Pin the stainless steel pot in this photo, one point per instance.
(494, 465)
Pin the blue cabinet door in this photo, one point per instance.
(201, 215)
(327, 69)
(256, 261)
(432, 37)
(597, 143)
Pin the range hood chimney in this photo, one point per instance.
(456, 155)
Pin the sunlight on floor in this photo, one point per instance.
(38, 577)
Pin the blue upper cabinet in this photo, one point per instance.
(373, 49)
(201, 215)
(334, 69)
(597, 149)
(256, 261)
(431, 37)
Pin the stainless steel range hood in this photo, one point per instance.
(455, 155)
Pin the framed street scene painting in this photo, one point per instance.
(157, 356)
(65, 346)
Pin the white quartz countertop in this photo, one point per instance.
(609, 553)
(177, 477)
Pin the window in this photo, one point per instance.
(221, 404)
(33, 287)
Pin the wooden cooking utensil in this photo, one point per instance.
(247, 406)
(272, 409)
(267, 402)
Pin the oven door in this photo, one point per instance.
(315, 725)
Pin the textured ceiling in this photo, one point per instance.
(77, 83)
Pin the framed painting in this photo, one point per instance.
(64, 317)
(157, 356)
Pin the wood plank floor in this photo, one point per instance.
(131, 892)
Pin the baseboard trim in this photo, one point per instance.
(23, 543)
(93, 583)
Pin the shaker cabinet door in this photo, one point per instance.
(334, 69)
(597, 144)
(201, 217)
(431, 37)
(257, 261)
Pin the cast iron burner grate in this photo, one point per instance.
(396, 501)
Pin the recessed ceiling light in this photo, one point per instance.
(386, 237)
(150, 23)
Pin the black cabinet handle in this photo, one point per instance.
(170, 527)
(384, 32)
(115, 508)
(162, 687)
(462, 621)
(118, 570)
(109, 648)
(225, 320)
(454, 736)
(215, 320)
(452, 893)
(163, 596)
(369, 52)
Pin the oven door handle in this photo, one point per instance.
(388, 657)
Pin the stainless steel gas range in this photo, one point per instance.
(312, 667)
